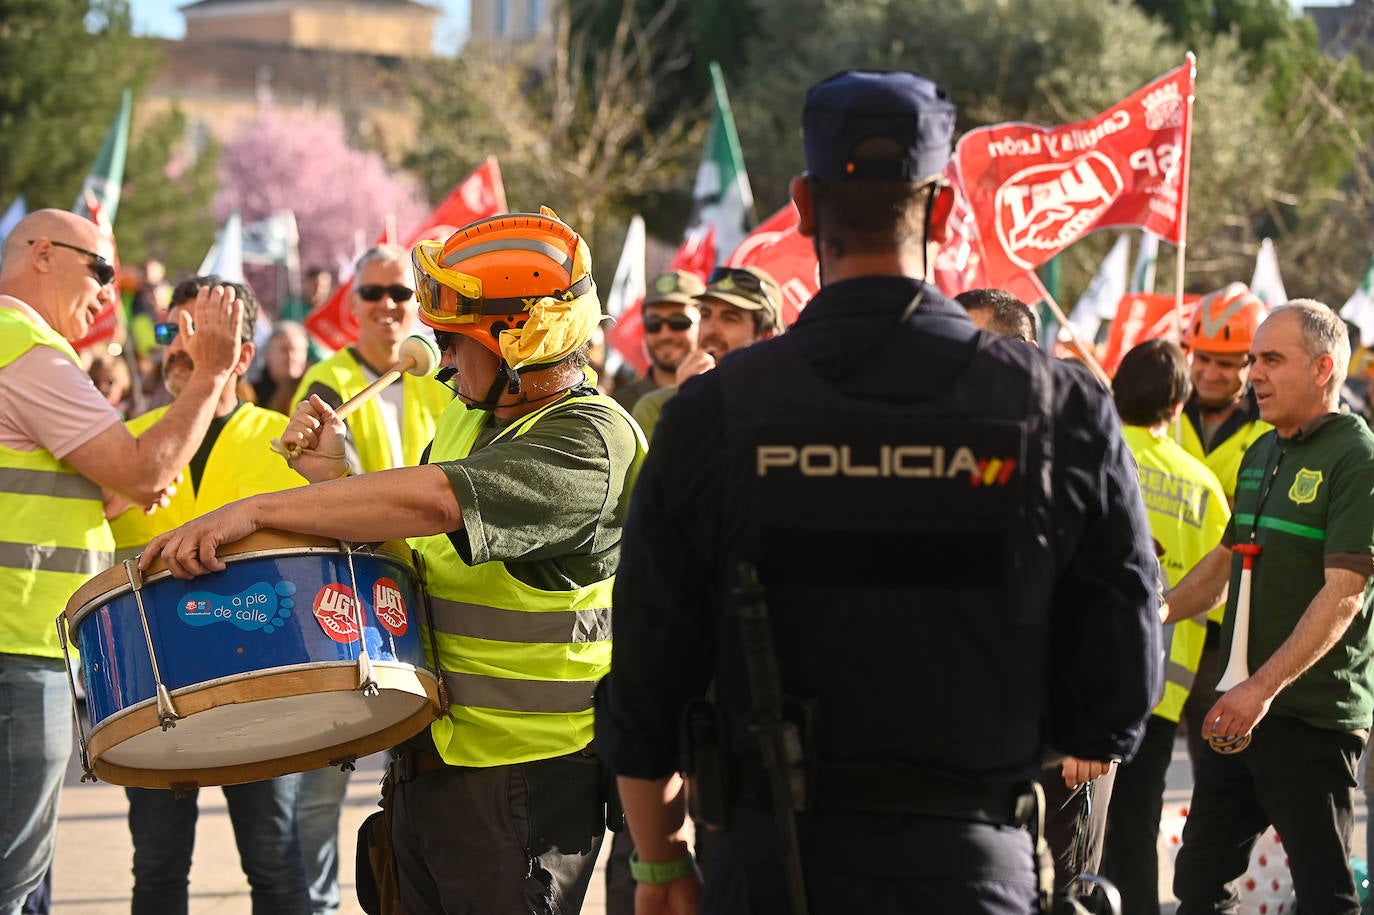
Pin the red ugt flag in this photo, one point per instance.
(1036, 190)
(479, 195)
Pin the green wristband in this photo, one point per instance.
(661, 871)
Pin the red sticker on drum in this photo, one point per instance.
(335, 610)
(390, 606)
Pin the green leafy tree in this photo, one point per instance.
(168, 189)
(570, 125)
(63, 65)
(1256, 170)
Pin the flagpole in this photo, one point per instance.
(1077, 342)
(1183, 192)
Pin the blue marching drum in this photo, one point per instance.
(302, 652)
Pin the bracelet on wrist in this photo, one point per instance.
(654, 872)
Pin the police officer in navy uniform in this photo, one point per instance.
(955, 561)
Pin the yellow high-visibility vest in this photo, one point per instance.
(520, 663)
(55, 532)
(241, 464)
(1188, 511)
(422, 402)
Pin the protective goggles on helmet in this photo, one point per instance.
(451, 298)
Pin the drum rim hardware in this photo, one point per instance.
(110, 749)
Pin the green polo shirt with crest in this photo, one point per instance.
(1308, 502)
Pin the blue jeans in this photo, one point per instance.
(318, 800)
(263, 814)
(35, 746)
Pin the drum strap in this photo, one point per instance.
(419, 560)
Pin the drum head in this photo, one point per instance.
(260, 727)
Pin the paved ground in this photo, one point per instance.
(92, 871)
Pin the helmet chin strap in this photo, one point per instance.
(509, 379)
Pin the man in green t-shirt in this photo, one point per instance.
(500, 806)
(1305, 497)
(741, 305)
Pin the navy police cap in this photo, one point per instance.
(859, 105)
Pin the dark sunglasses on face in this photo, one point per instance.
(654, 323)
(398, 293)
(101, 269)
(165, 332)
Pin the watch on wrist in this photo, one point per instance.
(661, 871)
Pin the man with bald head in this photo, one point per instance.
(60, 442)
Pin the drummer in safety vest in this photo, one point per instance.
(518, 514)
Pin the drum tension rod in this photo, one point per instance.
(366, 682)
(167, 714)
(87, 773)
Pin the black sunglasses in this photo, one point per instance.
(654, 323)
(397, 291)
(101, 269)
(741, 278)
(165, 332)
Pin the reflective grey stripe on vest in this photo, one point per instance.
(25, 482)
(32, 557)
(1175, 672)
(556, 627)
(563, 697)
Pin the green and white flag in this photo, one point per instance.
(1359, 308)
(722, 196)
(1143, 276)
(1267, 283)
(1100, 300)
(98, 199)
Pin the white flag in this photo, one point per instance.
(629, 284)
(225, 257)
(273, 240)
(1359, 308)
(17, 211)
(1099, 302)
(1266, 283)
(1143, 276)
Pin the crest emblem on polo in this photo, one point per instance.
(1305, 486)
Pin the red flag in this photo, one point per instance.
(697, 254)
(479, 195)
(102, 329)
(778, 249)
(1141, 316)
(959, 265)
(627, 337)
(1036, 190)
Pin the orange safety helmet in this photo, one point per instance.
(1225, 320)
(487, 279)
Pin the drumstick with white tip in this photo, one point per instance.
(419, 356)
